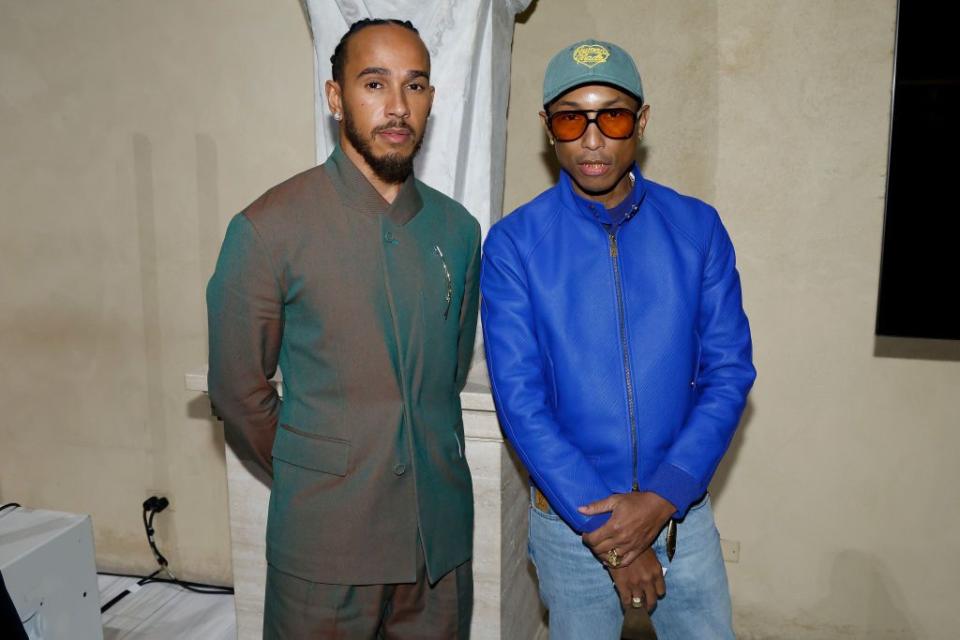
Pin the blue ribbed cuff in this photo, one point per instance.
(676, 486)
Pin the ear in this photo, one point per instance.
(433, 91)
(546, 128)
(334, 98)
(642, 118)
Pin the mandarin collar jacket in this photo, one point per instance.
(369, 309)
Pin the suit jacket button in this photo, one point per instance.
(400, 469)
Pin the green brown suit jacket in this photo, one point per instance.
(370, 310)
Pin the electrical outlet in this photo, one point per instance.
(731, 550)
(160, 494)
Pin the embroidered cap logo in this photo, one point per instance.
(590, 55)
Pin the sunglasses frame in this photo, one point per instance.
(593, 120)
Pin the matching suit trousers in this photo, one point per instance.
(297, 609)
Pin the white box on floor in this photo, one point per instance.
(46, 558)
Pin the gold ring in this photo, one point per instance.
(613, 558)
(636, 602)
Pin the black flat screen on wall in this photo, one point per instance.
(920, 268)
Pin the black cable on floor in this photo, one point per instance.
(151, 507)
(196, 587)
(120, 596)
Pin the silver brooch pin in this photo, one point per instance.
(448, 298)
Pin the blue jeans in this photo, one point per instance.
(583, 603)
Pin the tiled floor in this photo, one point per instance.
(159, 611)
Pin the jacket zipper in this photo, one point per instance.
(614, 257)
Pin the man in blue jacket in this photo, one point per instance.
(620, 360)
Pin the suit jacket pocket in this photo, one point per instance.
(319, 453)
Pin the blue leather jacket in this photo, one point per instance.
(619, 355)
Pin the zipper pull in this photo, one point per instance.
(671, 539)
(613, 246)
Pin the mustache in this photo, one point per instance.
(595, 159)
(395, 124)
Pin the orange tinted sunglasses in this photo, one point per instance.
(567, 126)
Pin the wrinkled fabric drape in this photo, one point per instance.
(464, 150)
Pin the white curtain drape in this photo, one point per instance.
(463, 153)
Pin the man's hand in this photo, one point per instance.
(642, 579)
(637, 519)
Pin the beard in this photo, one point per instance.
(392, 168)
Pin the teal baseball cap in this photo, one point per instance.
(591, 62)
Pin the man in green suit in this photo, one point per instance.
(361, 283)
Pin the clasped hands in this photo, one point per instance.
(635, 521)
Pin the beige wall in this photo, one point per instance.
(132, 131)
(843, 490)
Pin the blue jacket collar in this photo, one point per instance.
(595, 210)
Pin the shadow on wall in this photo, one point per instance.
(151, 308)
(209, 231)
(729, 461)
(916, 348)
(199, 409)
(523, 17)
(860, 599)
(306, 17)
(863, 592)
